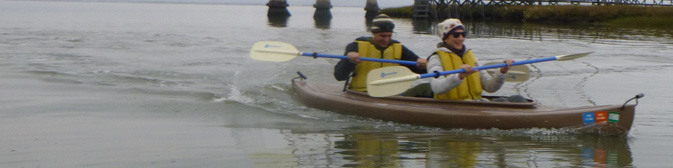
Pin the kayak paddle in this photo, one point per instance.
(280, 52)
(276, 51)
(519, 73)
(394, 80)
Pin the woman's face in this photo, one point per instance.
(456, 39)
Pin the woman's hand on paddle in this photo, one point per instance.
(353, 57)
(509, 65)
(468, 71)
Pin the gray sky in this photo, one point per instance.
(352, 3)
(382, 3)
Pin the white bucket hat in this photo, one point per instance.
(448, 26)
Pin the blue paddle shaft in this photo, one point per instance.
(427, 75)
(401, 62)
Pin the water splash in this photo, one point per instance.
(235, 93)
(219, 99)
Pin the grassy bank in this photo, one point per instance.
(655, 16)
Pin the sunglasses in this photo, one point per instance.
(457, 34)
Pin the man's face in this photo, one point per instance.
(382, 39)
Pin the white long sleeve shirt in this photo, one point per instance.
(444, 84)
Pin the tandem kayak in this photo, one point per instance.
(604, 119)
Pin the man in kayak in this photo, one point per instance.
(452, 54)
(381, 46)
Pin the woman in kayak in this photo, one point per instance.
(453, 54)
(381, 45)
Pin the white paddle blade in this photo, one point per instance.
(572, 56)
(274, 51)
(519, 73)
(389, 81)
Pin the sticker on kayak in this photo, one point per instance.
(600, 117)
(588, 118)
(613, 117)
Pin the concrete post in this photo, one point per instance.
(322, 4)
(322, 9)
(322, 15)
(372, 5)
(278, 8)
(372, 8)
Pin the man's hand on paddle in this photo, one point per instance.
(509, 65)
(353, 57)
(421, 63)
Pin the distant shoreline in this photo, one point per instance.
(623, 16)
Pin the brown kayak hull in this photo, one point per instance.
(605, 119)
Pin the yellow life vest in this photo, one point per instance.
(470, 88)
(367, 49)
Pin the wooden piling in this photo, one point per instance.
(278, 8)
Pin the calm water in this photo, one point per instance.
(170, 85)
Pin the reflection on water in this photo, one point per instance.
(424, 26)
(278, 20)
(455, 150)
(593, 34)
(322, 18)
(524, 31)
(369, 150)
(323, 23)
(370, 14)
(538, 32)
(278, 13)
(322, 13)
(369, 19)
